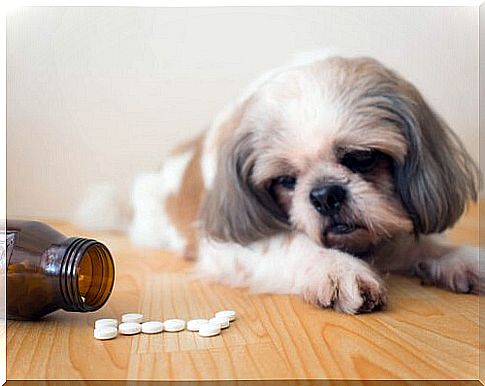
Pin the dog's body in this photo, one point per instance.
(318, 177)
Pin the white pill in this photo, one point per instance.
(174, 325)
(105, 323)
(227, 313)
(106, 332)
(221, 321)
(129, 328)
(209, 329)
(132, 318)
(153, 327)
(194, 324)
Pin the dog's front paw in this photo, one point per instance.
(457, 271)
(350, 288)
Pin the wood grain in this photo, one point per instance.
(427, 333)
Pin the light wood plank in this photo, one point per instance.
(426, 333)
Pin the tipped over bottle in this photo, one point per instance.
(48, 271)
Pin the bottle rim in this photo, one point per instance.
(77, 250)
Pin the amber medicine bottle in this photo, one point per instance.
(47, 271)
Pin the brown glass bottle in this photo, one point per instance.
(47, 271)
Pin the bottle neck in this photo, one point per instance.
(86, 275)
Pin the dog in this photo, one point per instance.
(318, 179)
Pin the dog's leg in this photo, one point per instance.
(457, 270)
(293, 264)
(438, 263)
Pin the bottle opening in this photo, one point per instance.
(95, 276)
(87, 276)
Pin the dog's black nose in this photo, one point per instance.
(328, 199)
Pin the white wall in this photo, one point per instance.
(101, 94)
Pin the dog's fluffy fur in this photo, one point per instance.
(242, 204)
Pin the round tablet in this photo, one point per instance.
(221, 321)
(153, 327)
(209, 329)
(107, 332)
(105, 323)
(132, 318)
(227, 313)
(129, 328)
(174, 325)
(194, 324)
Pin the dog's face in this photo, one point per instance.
(343, 150)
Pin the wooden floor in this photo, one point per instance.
(427, 333)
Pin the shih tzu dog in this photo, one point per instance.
(321, 177)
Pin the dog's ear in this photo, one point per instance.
(235, 209)
(438, 176)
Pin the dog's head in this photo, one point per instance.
(344, 150)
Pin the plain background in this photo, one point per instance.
(101, 94)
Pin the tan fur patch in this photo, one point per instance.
(182, 207)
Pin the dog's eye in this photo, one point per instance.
(360, 161)
(287, 182)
